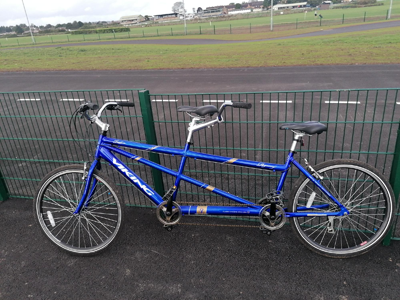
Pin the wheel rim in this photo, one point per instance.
(362, 192)
(90, 231)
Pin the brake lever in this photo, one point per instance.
(85, 115)
(114, 107)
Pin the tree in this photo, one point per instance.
(238, 6)
(267, 3)
(364, 2)
(314, 3)
(199, 10)
(177, 6)
(18, 29)
(146, 18)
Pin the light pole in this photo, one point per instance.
(184, 17)
(390, 9)
(272, 15)
(30, 29)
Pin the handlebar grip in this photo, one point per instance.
(92, 106)
(241, 105)
(86, 106)
(125, 103)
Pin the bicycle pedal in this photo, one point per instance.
(265, 231)
(169, 194)
(168, 227)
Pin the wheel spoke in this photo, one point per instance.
(365, 195)
(94, 227)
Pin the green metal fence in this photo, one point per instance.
(35, 136)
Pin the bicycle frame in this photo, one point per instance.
(107, 146)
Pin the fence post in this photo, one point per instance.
(393, 179)
(250, 27)
(230, 28)
(214, 29)
(200, 29)
(365, 14)
(172, 32)
(4, 194)
(343, 19)
(296, 22)
(151, 138)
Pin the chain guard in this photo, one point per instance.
(175, 216)
(265, 218)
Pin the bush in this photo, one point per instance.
(102, 30)
(365, 2)
(356, 5)
(8, 35)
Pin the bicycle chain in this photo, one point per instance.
(219, 225)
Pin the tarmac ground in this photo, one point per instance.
(191, 262)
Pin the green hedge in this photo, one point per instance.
(103, 30)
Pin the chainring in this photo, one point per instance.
(174, 218)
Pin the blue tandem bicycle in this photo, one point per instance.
(339, 208)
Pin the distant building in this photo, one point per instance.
(166, 17)
(326, 5)
(290, 6)
(131, 20)
(212, 12)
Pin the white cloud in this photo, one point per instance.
(42, 12)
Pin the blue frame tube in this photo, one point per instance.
(107, 145)
(195, 155)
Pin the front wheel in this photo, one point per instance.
(365, 193)
(98, 223)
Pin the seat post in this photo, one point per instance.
(298, 136)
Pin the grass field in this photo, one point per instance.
(246, 25)
(369, 47)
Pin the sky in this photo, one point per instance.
(43, 12)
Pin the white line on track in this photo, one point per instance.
(342, 102)
(276, 101)
(164, 100)
(216, 100)
(28, 100)
(75, 100)
(116, 100)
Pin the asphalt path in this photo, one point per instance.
(209, 80)
(191, 262)
(177, 41)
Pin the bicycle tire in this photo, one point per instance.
(94, 228)
(362, 190)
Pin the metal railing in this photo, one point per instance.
(35, 137)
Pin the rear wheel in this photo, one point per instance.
(362, 190)
(98, 223)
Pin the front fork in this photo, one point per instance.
(90, 187)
